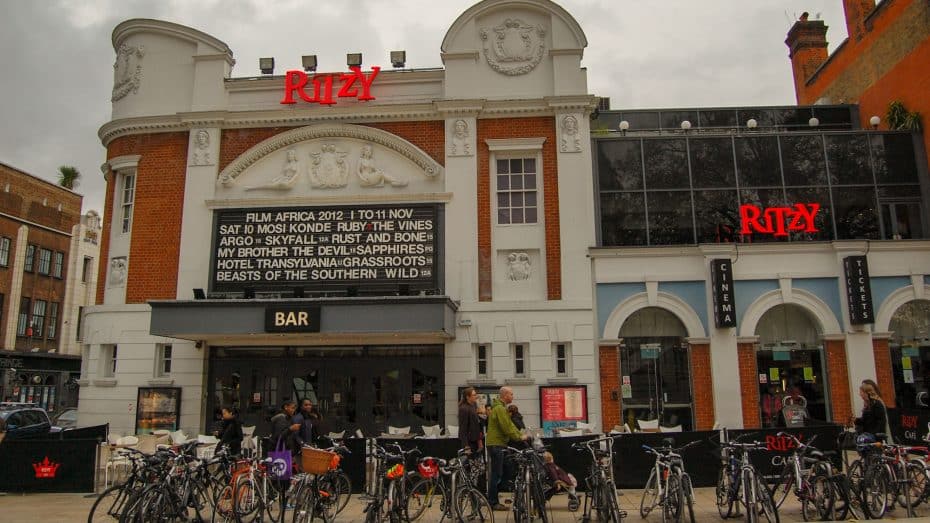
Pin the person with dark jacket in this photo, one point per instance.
(283, 427)
(516, 416)
(231, 432)
(310, 425)
(874, 418)
(469, 424)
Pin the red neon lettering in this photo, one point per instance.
(776, 218)
(778, 221)
(327, 91)
(749, 215)
(294, 81)
(806, 213)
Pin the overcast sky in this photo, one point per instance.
(57, 60)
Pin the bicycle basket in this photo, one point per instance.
(315, 461)
(428, 468)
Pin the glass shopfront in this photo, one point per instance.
(367, 388)
(910, 355)
(792, 377)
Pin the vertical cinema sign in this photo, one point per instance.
(858, 290)
(721, 276)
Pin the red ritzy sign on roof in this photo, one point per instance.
(352, 85)
(778, 221)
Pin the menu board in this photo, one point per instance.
(320, 248)
(562, 406)
(158, 408)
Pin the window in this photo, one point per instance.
(516, 191)
(45, 261)
(80, 322)
(108, 355)
(562, 359)
(86, 268)
(163, 360)
(52, 320)
(30, 257)
(38, 318)
(519, 360)
(4, 252)
(23, 319)
(127, 200)
(58, 263)
(482, 357)
(902, 220)
(85, 361)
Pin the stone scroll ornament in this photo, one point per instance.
(518, 266)
(127, 71)
(514, 47)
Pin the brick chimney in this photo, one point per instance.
(856, 12)
(807, 47)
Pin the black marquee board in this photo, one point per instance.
(373, 249)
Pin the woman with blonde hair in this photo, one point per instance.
(874, 418)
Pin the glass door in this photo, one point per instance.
(656, 381)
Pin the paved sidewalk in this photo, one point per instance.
(69, 508)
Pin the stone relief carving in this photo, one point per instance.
(518, 266)
(514, 47)
(118, 269)
(201, 154)
(127, 71)
(288, 177)
(370, 175)
(461, 141)
(570, 141)
(329, 168)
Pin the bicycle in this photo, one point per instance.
(668, 486)
(323, 490)
(601, 495)
(387, 498)
(445, 490)
(890, 475)
(529, 493)
(739, 482)
(807, 473)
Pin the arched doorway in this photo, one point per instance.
(790, 363)
(655, 369)
(910, 354)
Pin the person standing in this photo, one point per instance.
(230, 433)
(874, 418)
(309, 421)
(469, 423)
(501, 431)
(516, 416)
(283, 427)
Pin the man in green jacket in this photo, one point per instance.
(501, 431)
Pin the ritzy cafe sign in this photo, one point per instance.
(778, 221)
(320, 88)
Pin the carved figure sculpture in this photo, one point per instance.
(118, 270)
(201, 154)
(518, 266)
(329, 169)
(370, 175)
(571, 138)
(288, 177)
(461, 145)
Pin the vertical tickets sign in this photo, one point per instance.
(721, 276)
(858, 290)
(327, 248)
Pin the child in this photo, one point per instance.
(561, 479)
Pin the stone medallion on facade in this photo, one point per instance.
(514, 47)
(127, 71)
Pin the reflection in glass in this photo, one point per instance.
(822, 221)
(619, 165)
(673, 119)
(712, 162)
(623, 219)
(721, 118)
(848, 159)
(757, 161)
(910, 354)
(717, 216)
(642, 120)
(902, 220)
(893, 155)
(670, 218)
(803, 160)
(855, 213)
(666, 164)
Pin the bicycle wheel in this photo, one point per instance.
(874, 492)
(224, 510)
(785, 485)
(724, 491)
(671, 504)
(916, 485)
(817, 502)
(273, 500)
(304, 501)
(538, 499)
(852, 488)
(650, 495)
(343, 489)
(749, 496)
(765, 509)
(426, 501)
(472, 507)
(108, 505)
(687, 492)
(247, 503)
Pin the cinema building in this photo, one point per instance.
(374, 239)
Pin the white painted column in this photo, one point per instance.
(197, 226)
(16, 284)
(724, 362)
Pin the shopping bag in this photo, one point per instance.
(280, 467)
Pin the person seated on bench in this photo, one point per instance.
(561, 480)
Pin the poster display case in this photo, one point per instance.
(562, 407)
(158, 408)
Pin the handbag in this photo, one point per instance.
(281, 464)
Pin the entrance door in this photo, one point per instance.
(656, 381)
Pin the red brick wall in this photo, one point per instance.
(610, 384)
(883, 372)
(504, 128)
(749, 384)
(838, 378)
(157, 214)
(703, 387)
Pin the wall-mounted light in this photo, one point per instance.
(874, 121)
(752, 123)
(398, 59)
(624, 126)
(685, 125)
(354, 59)
(309, 62)
(266, 65)
(813, 122)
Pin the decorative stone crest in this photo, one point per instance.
(288, 177)
(118, 269)
(461, 141)
(127, 71)
(514, 47)
(201, 154)
(518, 266)
(370, 175)
(570, 140)
(329, 169)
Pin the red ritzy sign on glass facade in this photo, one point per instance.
(778, 221)
(353, 85)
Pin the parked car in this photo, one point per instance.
(23, 420)
(66, 419)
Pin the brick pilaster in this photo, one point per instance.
(749, 384)
(883, 373)
(610, 386)
(702, 383)
(838, 378)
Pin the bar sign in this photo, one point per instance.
(858, 290)
(722, 284)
